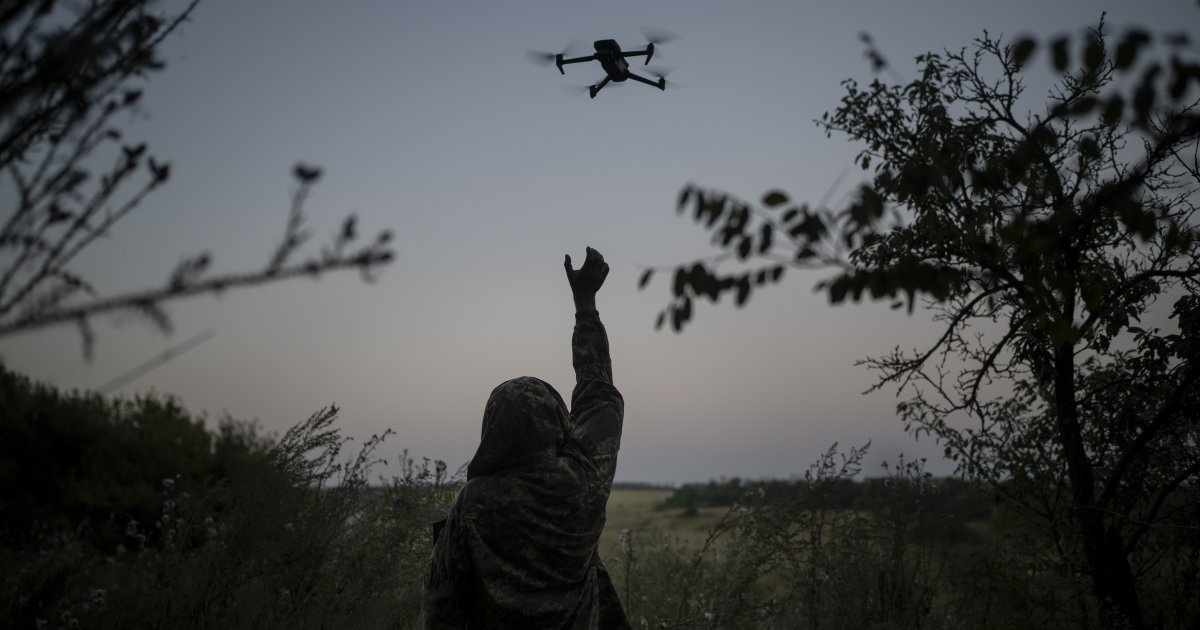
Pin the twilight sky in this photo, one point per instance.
(428, 120)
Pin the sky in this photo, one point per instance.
(428, 120)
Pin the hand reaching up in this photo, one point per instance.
(586, 280)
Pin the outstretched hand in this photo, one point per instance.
(586, 280)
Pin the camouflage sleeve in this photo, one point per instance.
(446, 599)
(596, 405)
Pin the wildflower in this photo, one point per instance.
(623, 538)
(168, 483)
(284, 593)
(709, 616)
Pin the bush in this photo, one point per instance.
(251, 533)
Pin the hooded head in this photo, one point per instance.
(525, 423)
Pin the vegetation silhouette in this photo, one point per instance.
(1037, 236)
(67, 73)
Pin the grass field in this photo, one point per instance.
(635, 510)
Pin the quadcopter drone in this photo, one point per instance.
(613, 60)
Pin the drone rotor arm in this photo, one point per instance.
(560, 62)
(661, 83)
(648, 53)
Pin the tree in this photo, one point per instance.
(67, 71)
(1036, 237)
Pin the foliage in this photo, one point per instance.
(1036, 237)
(68, 72)
(290, 534)
(80, 460)
(799, 562)
(947, 495)
(280, 533)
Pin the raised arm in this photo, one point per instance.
(597, 408)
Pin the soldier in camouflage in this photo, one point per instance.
(518, 549)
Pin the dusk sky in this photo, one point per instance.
(428, 120)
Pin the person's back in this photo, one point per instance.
(518, 549)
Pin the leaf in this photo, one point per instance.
(645, 279)
(838, 289)
(1022, 50)
(1127, 50)
(1113, 110)
(1084, 105)
(774, 199)
(684, 196)
(349, 229)
(1089, 148)
(1093, 56)
(305, 173)
(766, 238)
(1060, 57)
(743, 291)
(679, 283)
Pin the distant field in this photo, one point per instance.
(634, 510)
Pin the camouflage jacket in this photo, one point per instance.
(518, 549)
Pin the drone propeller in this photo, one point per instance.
(574, 90)
(662, 73)
(539, 58)
(656, 35)
(543, 58)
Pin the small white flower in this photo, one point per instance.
(168, 483)
(709, 616)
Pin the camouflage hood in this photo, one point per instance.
(525, 424)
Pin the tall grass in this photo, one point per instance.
(293, 536)
(297, 539)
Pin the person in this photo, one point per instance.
(518, 549)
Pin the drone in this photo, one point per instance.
(613, 60)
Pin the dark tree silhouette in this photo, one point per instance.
(1036, 232)
(67, 72)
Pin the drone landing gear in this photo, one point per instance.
(592, 90)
